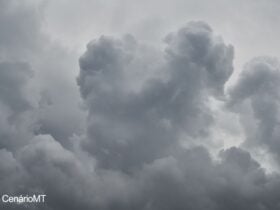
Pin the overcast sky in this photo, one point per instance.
(140, 105)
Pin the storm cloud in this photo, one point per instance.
(127, 124)
(257, 92)
(126, 127)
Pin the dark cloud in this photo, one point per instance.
(148, 112)
(194, 181)
(257, 91)
(126, 127)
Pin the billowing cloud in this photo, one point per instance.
(127, 127)
(137, 134)
(256, 96)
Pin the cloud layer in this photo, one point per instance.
(140, 133)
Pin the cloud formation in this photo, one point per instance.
(257, 90)
(128, 128)
(149, 118)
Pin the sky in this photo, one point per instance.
(143, 105)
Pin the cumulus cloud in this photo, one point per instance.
(149, 117)
(256, 97)
(128, 128)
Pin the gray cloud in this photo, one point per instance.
(257, 91)
(193, 181)
(13, 78)
(20, 30)
(15, 106)
(46, 103)
(126, 127)
(148, 112)
(188, 180)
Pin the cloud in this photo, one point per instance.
(149, 110)
(194, 181)
(257, 90)
(20, 34)
(15, 105)
(51, 92)
(13, 79)
(128, 128)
